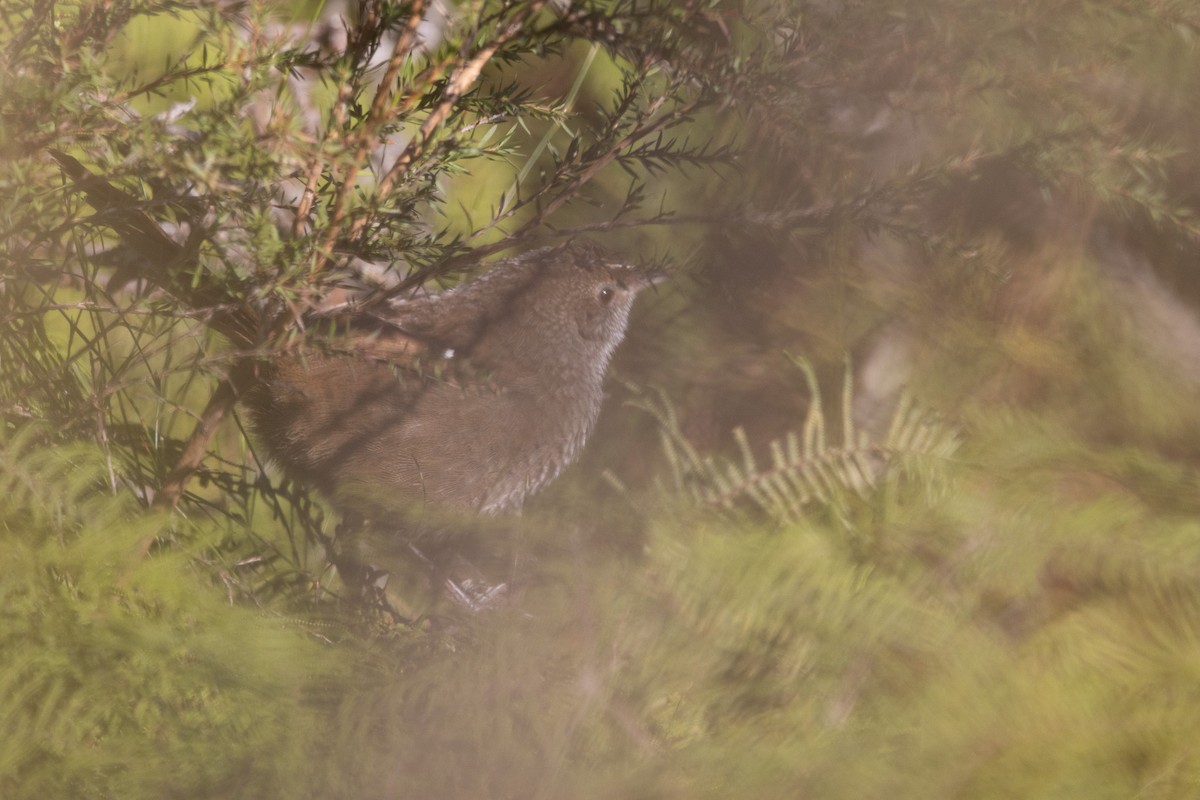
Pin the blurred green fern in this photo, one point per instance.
(806, 467)
(110, 657)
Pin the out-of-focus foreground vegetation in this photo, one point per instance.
(897, 491)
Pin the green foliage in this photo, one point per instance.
(815, 472)
(128, 676)
(1029, 631)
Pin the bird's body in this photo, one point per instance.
(471, 398)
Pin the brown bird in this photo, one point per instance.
(471, 398)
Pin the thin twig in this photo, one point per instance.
(379, 108)
(462, 79)
(227, 393)
(589, 172)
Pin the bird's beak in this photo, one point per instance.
(652, 278)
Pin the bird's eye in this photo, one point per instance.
(606, 295)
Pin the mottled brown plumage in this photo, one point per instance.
(471, 398)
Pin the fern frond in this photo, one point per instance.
(805, 469)
(49, 485)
